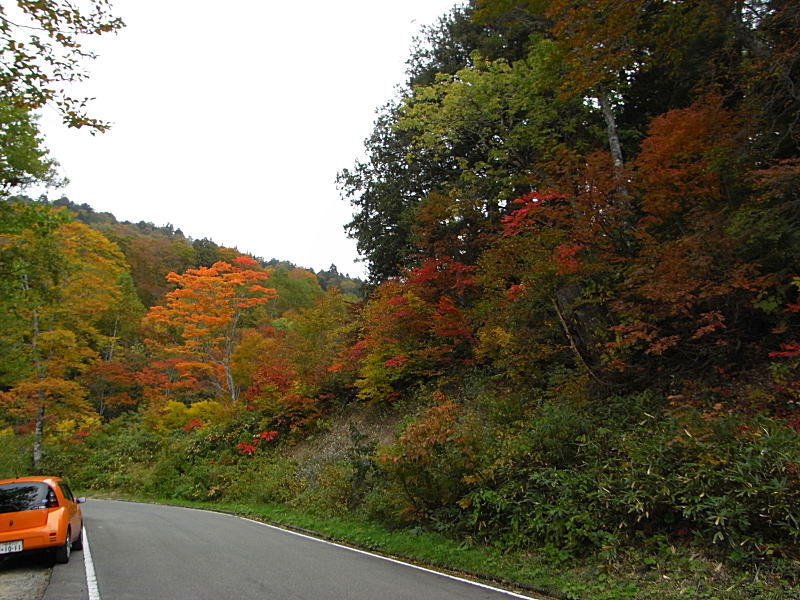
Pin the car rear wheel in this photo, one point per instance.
(78, 543)
(63, 552)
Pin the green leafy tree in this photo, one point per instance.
(296, 288)
(23, 160)
(386, 189)
(41, 50)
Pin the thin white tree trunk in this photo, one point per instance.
(614, 145)
(37, 435)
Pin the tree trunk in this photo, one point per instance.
(40, 372)
(611, 128)
(112, 346)
(575, 333)
(231, 386)
(37, 435)
(604, 98)
(226, 362)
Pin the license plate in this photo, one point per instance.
(7, 547)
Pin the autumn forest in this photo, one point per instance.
(579, 340)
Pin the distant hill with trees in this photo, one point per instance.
(152, 251)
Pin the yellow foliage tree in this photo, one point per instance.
(62, 281)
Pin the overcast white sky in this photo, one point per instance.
(231, 119)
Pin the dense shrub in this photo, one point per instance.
(590, 479)
(266, 479)
(109, 459)
(428, 464)
(553, 471)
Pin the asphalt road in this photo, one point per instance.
(149, 552)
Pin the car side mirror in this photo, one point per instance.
(80, 500)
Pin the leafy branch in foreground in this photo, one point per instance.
(41, 53)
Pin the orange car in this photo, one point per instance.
(38, 513)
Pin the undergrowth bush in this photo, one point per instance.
(113, 458)
(564, 476)
(588, 479)
(428, 464)
(266, 479)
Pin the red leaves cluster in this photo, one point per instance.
(396, 361)
(276, 391)
(449, 322)
(113, 384)
(267, 436)
(442, 282)
(515, 291)
(249, 448)
(166, 379)
(246, 449)
(715, 320)
(528, 215)
(440, 276)
(349, 358)
(565, 256)
(276, 374)
(413, 327)
(789, 349)
(192, 424)
(679, 161)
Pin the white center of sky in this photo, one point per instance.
(231, 119)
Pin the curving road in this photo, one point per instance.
(150, 552)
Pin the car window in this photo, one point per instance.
(67, 492)
(16, 497)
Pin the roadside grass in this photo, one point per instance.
(665, 573)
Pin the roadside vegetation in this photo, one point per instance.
(575, 365)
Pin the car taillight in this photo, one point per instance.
(52, 503)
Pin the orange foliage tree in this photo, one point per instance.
(647, 276)
(203, 314)
(688, 287)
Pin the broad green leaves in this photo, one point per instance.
(41, 51)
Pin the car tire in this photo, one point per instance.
(62, 552)
(78, 543)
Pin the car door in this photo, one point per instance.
(73, 510)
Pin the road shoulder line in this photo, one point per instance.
(91, 577)
(311, 536)
(392, 560)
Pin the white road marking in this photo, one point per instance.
(358, 551)
(91, 578)
(394, 560)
